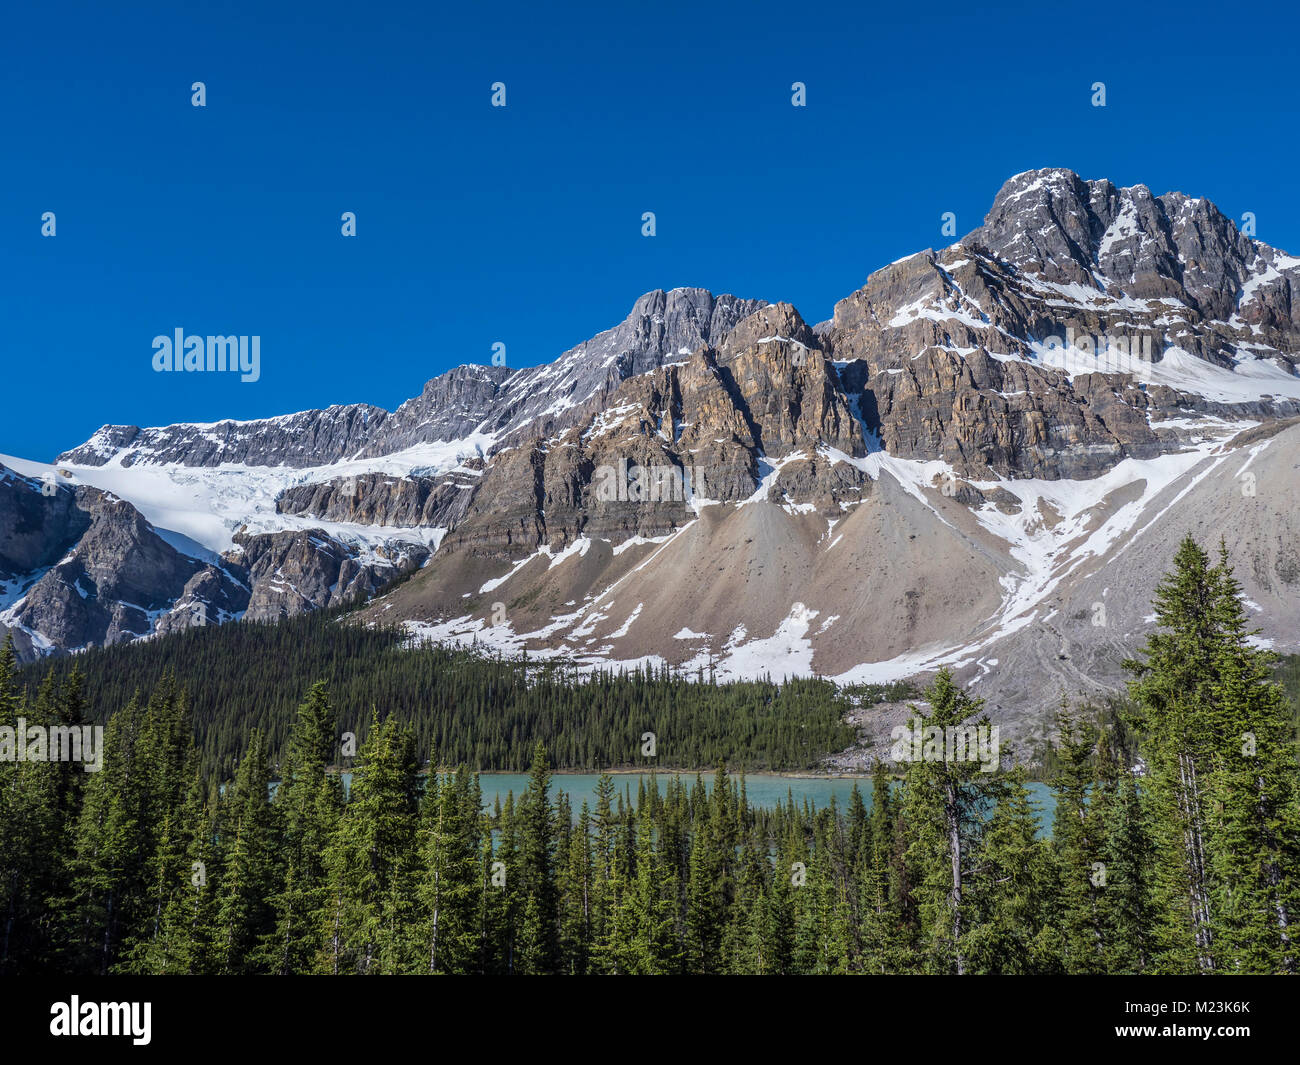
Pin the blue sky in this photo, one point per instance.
(523, 224)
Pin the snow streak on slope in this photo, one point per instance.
(1062, 527)
(1249, 379)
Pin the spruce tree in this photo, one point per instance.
(369, 915)
(310, 804)
(251, 873)
(946, 800)
(115, 844)
(1128, 858)
(1254, 834)
(1079, 845)
(539, 933)
(449, 885)
(1175, 688)
(1017, 928)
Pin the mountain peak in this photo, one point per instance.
(1068, 230)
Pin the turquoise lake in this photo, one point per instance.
(762, 789)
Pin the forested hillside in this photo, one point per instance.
(485, 712)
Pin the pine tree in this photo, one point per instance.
(1079, 845)
(33, 825)
(371, 860)
(1016, 933)
(1254, 832)
(650, 906)
(1128, 857)
(709, 885)
(491, 938)
(879, 917)
(539, 934)
(115, 841)
(449, 886)
(945, 801)
(508, 899)
(180, 939)
(576, 896)
(1175, 687)
(602, 902)
(251, 873)
(310, 804)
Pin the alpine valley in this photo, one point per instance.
(954, 469)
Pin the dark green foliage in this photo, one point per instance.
(1287, 674)
(1223, 790)
(487, 713)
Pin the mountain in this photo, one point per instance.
(982, 459)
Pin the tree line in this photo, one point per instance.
(484, 711)
(1175, 846)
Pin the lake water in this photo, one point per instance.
(762, 789)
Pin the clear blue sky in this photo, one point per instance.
(523, 224)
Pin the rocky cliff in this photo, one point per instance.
(80, 567)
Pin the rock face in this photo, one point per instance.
(951, 344)
(102, 575)
(451, 407)
(381, 499)
(310, 438)
(294, 573)
(1025, 589)
(1069, 231)
(763, 406)
(80, 567)
(486, 400)
(945, 355)
(35, 526)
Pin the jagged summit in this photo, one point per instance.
(1054, 250)
(1066, 229)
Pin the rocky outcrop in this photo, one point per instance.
(381, 499)
(309, 438)
(493, 401)
(942, 355)
(765, 404)
(101, 575)
(788, 390)
(1053, 224)
(451, 407)
(80, 567)
(37, 522)
(954, 350)
(292, 573)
